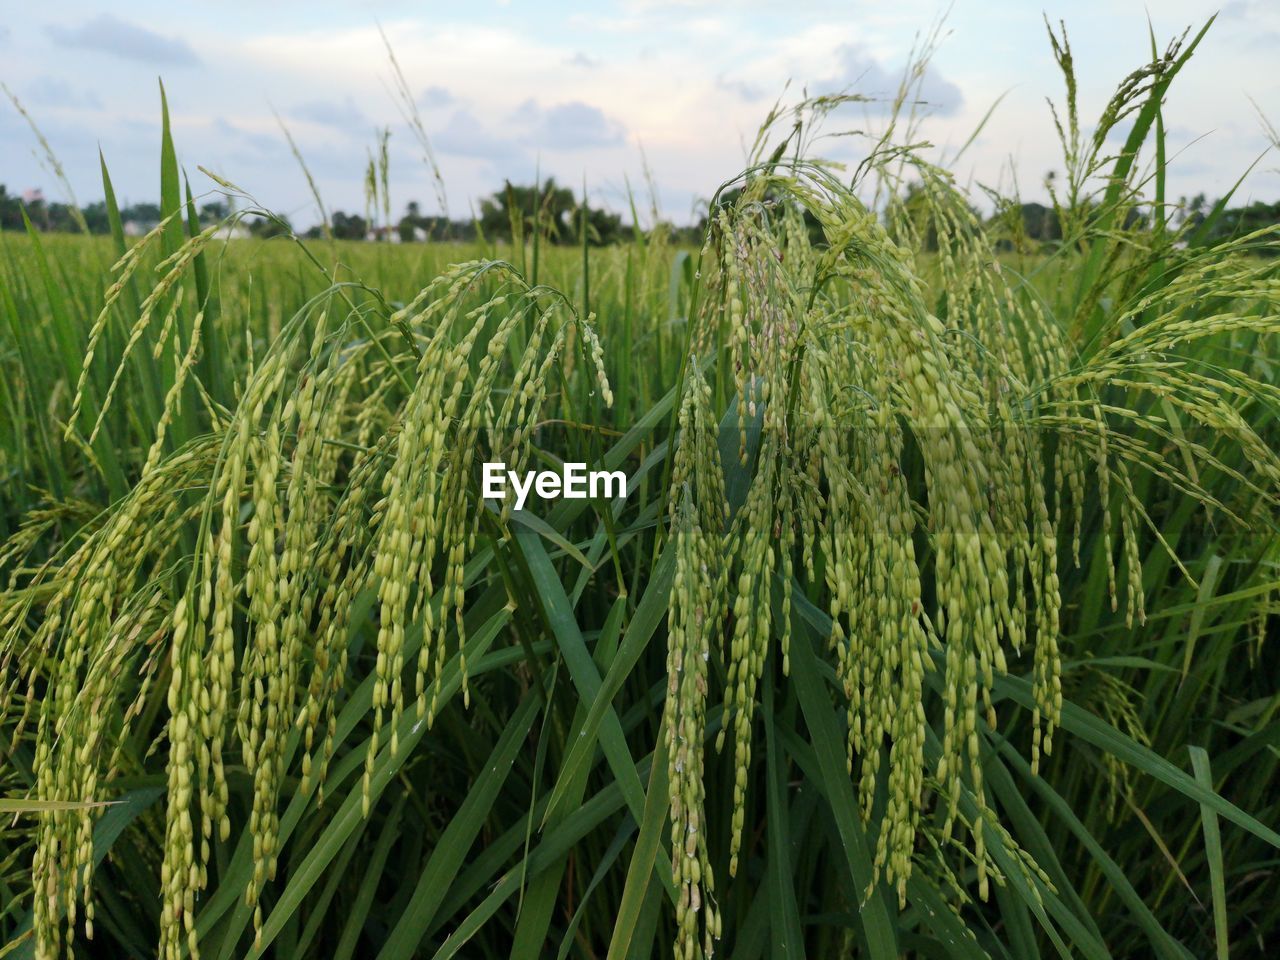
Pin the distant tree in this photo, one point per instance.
(10, 210)
(523, 209)
(1024, 227)
(415, 226)
(690, 235)
(914, 207)
(1040, 222)
(95, 215)
(267, 227)
(145, 214)
(55, 217)
(411, 222)
(551, 210)
(1233, 221)
(214, 211)
(348, 226)
(1190, 213)
(603, 227)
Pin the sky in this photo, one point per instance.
(595, 92)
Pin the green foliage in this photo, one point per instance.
(549, 210)
(1235, 222)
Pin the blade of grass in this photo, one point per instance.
(1103, 735)
(458, 838)
(358, 912)
(828, 744)
(649, 613)
(643, 858)
(784, 914)
(1213, 853)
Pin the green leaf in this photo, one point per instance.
(828, 744)
(358, 912)
(1106, 737)
(459, 836)
(649, 613)
(784, 914)
(170, 185)
(1213, 853)
(554, 603)
(605, 863)
(640, 869)
(16, 806)
(1162, 942)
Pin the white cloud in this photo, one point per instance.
(436, 96)
(742, 89)
(109, 34)
(464, 135)
(47, 91)
(573, 125)
(340, 114)
(863, 74)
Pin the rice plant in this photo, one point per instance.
(933, 620)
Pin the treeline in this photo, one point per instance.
(62, 217)
(559, 217)
(548, 210)
(1038, 226)
(55, 217)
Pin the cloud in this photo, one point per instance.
(4, 34)
(46, 91)
(435, 96)
(748, 92)
(572, 125)
(109, 34)
(1175, 134)
(71, 137)
(344, 115)
(1254, 22)
(860, 73)
(663, 6)
(1248, 10)
(265, 144)
(580, 59)
(465, 136)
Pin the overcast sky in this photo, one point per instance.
(582, 90)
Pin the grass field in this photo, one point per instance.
(937, 619)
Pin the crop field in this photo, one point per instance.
(937, 617)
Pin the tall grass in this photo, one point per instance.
(933, 623)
